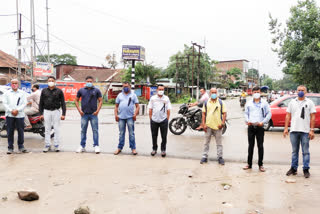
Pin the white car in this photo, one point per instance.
(3, 89)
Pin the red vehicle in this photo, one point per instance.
(36, 122)
(279, 110)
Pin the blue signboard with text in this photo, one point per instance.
(133, 52)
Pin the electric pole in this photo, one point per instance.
(192, 69)
(198, 72)
(19, 42)
(47, 9)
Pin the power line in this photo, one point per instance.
(8, 14)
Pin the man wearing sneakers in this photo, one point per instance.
(214, 114)
(51, 100)
(302, 113)
(257, 113)
(89, 112)
(14, 101)
(159, 113)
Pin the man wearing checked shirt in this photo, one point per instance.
(257, 113)
(159, 113)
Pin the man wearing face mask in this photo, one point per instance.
(214, 115)
(34, 100)
(14, 101)
(51, 100)
(159, 114)
(302, 113)
(257, 113)
(126, 115)
(89, 112)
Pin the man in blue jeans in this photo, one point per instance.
(126, 115)
(301, 111)
(89, 111)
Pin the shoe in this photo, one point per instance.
(118, 151)
(247, 167)
(80, 149)
(97, 149)
(23, 150)
(153, 153)
(134, 152)
(163, 154)
(203, 160)
(56, 149)
(306, 173)
(221, 161)
(10, 151)
(291, 171)
(46, 149)
(262, 169)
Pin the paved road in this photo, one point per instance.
(187, 145)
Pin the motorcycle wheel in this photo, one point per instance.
(176, 127)
(42, 133)
(3, 128)
(224, 129)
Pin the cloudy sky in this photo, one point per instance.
(230, 29)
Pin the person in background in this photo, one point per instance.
(214, 115)
(257, 113)
(51, 100)
(34, 100)
(89, 111)
(159, 113)
(14, 101)
(301, 112)
(204, 98)
(126, 115)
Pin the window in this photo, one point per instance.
(315, 100)
(286, 102)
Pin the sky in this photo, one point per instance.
(229, 29)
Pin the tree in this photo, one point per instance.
(143, 74)
(57, 59)
(253, 73)
(179, 63)
(286, 83)
(112, 61)
(236, 74)
(299, 43)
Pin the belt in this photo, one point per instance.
(51, 109)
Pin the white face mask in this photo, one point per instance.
(160, 93)
(51, 84)
(256, 95)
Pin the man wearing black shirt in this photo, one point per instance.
(51, 100)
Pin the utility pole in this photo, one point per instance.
(19, 42)
(198, 72)
(192, 69)
(180, 64)
(47, 8)
(31, 37)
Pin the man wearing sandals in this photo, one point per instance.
(257, 113)
(126, 115)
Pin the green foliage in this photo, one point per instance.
(298, 43)
(286, 83)
(184, 98)
(180, 68)
(111, 101)
(236, 73)
(253, 73)
(143, 73)
(56, 59)
(143, 100)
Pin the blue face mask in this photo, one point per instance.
(89, 84)
(214, 96)
(126, 89)
(301, 94)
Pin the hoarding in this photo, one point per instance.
(133, 52)
(42, 69)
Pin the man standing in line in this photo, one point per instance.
(51, 100)
(14, 101)
(34, 100)
(257, 113)
(159, 113)
(125, 115)
(302, 113)
(214, 115)
(89, 112)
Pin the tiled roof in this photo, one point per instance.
(8, 61)
(100, 75)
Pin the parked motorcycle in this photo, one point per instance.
(243, 101)
(36, 122)
(190, 117)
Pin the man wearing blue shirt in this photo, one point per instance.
(126, 115)
(257, 113)
(89, 112)
(14, 101)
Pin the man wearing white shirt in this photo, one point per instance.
(14, 101)
(159, 113)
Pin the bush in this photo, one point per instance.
(112, 101)
(143, 100)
